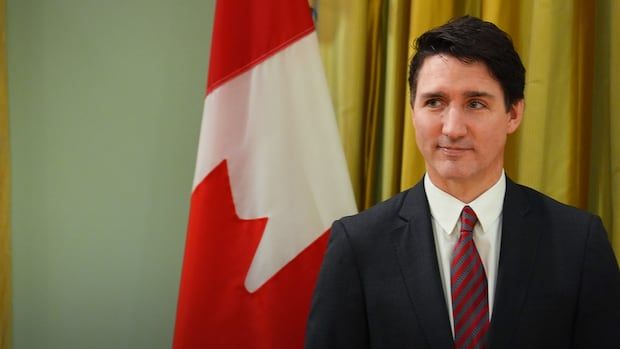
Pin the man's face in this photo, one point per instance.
(461, 121)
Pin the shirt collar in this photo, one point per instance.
(446, 209)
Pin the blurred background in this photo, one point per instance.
(105, 102)
(100, 107)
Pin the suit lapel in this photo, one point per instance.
(517, 254)
(415, 249)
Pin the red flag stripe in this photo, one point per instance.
(247, 32)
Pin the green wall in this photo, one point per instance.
(105, 101)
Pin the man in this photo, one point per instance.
(467, 258)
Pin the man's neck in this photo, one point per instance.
(465, 190)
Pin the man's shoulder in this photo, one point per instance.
(380, 218)
(387, 207)
(541, 204)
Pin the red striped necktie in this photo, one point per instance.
(468, 280)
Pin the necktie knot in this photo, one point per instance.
(468, 220)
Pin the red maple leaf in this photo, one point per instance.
(215, 310)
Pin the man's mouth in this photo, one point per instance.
(453, 151)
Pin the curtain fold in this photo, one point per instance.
(551, 148)
(568, 145)
(392, 99)
(5, 241)
(612, 217)
(604, 184)
(343, 30)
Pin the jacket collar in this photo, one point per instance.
(415, 249)
(520, 236)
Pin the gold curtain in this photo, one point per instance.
(5, 241)
(565, 146)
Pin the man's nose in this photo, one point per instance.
(454, 123)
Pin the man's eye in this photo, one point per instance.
(433, 103)
(476, 105)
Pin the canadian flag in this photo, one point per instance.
(270, 178)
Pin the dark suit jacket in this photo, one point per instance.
(558, 284)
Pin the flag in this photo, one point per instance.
(270, 178)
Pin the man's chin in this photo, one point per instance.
(451, 172)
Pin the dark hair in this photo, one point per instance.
(471, 39)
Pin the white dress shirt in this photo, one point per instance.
(445, 214)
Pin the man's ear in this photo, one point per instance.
(516, 115)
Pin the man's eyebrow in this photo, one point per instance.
(428, 95)
(470, 94)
